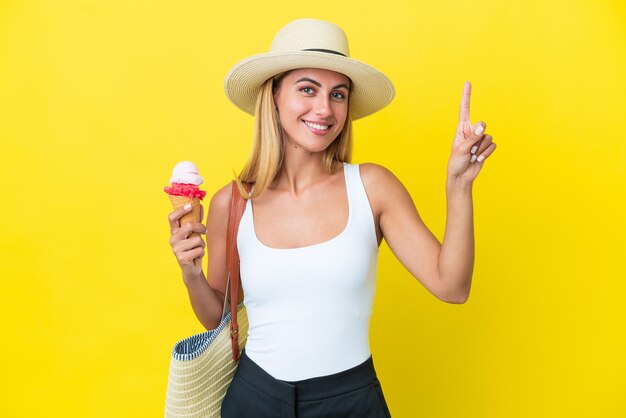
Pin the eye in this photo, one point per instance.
(338, 95)
(307, 90)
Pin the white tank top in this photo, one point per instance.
(309, 308)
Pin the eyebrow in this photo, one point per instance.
(319, 85)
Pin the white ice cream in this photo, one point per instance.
(186, 172)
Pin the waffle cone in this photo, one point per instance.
(193, 216)
(180, 201)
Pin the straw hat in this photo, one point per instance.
(309, 43)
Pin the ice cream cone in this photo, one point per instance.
(184, 189)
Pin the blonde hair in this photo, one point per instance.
(266, 157)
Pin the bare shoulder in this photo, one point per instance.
(378, 180)
(375, 173)
(220, 202)
(384, 190)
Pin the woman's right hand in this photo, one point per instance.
(187, 243)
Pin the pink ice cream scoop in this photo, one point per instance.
(185, 181)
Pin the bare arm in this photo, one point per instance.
(217, 228)
(456, 260)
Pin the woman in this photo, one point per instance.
(309, 237)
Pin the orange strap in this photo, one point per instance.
(237, 206)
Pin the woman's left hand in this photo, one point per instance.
(471, 145)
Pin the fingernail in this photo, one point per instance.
(473, 159)
(480, 130)
(474, 148)
(479, 159)
(187, 206)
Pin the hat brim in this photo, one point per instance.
(371, 89)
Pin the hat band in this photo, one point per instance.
(328, 51)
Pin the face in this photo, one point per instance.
(312, 107)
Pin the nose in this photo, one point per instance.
(322, 106)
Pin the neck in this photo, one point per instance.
(300, 170)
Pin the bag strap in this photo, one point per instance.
(237, 206)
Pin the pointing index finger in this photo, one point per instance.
(464, 111)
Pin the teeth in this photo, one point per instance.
(315, 126)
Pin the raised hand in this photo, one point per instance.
(471, 145)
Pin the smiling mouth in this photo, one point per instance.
(317, 126)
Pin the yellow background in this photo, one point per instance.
(99, 99)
